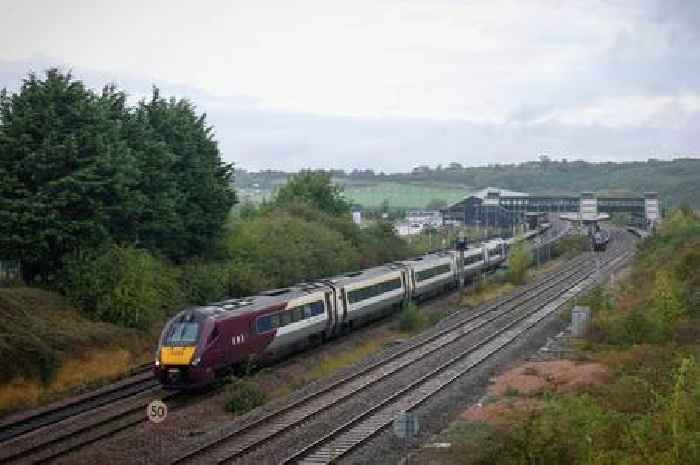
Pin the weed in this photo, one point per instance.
(411, 319)
(243, 396)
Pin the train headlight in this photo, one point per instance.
(196, 361)
(157, 362)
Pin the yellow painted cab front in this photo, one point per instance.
(176, 355)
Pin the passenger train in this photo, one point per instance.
(201, 343)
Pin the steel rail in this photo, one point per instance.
(365, 425)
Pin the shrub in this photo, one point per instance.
(287, 249)
(412, 319)
(204, 282)
(243, 396)
(570, 246)
(519, 261)
(122, 285)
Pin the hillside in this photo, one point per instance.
(678, 181)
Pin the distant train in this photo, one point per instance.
(600, 239)
(201, 343)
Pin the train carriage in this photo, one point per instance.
(370, 293)
(431, 273)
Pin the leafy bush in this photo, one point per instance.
(412, 319)
(122, 285)
(243, 396)
(570, 246)
(519, 261)
(635, 420)
(287, 249)
(204, 282)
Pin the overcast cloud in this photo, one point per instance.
(394, 83)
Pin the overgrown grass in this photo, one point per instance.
(412, 319)
(243, 396)
(48, 347)
(334, 363)
(486, 292)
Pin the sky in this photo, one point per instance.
(390, 84)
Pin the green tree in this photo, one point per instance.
(67, 174)
(287, 248)
(199, 184)
(315, 188)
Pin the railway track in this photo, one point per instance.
(232, 444)
(18, 425)
(62, 431)
(365, 425)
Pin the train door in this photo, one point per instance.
(342, 307)
(331, 311)
(216, 347)
(406, 282)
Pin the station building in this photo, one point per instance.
(498, 208)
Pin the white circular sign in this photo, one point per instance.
(156, 411)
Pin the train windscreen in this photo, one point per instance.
(182, 334)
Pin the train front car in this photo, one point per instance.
(600, 240)
(178, 361)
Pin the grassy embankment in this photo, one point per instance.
(48, 347)
(646, 410)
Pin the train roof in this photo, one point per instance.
(240, 306)
(362, 275)
(494, 243)
(426, 257)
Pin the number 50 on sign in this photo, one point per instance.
(156, 411)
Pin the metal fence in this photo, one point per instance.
(9, 270)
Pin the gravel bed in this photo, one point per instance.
(439, 412)
(338, 414)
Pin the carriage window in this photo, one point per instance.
(275, 319)
(264, 323)
(432, 272)
(285, 318)
(308, 312)
(317, 308)
(298, 314)
(374, 290)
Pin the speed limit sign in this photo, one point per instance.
(156, 411)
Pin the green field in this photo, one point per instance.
(401, 195)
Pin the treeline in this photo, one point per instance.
(677, 180)
(305, 233)
(82, 169)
